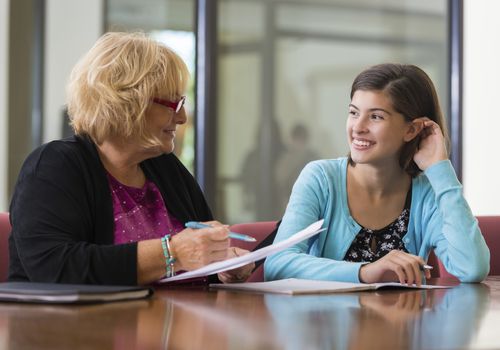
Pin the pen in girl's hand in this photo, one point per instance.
(240, 236)
(426, 267)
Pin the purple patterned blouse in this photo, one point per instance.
(140, 213)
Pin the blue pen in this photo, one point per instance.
(240, 236)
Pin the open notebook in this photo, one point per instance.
(56, 293)
(302, 286)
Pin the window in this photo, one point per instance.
(285, 71)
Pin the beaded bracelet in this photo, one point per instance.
(169, 259)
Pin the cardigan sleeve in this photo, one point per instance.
(307, 204)
(53, 215)
(456, 237)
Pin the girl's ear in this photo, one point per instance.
(414, 128)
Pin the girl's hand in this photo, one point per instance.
(240, 274)
(396, 308)
(395, 266)
(432, 146)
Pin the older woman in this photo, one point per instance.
(107, 206)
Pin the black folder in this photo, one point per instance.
(56, 293)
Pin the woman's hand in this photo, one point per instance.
(432, 146)
(395, 266)
(195, 248)
(240, 274)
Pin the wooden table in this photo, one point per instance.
(466, 316)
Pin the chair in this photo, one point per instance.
(490, 228)
(4, 245)
(260, 230)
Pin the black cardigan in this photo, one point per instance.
(62, 215)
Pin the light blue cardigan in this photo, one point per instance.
(440, 219)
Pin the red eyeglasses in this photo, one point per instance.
(176, 106)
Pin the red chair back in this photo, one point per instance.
(490, 228)
(260, 230)
(4, 245)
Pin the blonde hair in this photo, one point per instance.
(111, 87)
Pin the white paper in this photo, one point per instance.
(304, 286)
(239, 261)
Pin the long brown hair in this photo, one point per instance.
(412, 94)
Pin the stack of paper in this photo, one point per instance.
(239, 261)
(303, 286)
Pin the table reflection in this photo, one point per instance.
(105, 326)
(219, 320)
(390, 319)
(202, 319)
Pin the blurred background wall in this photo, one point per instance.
(4, 63)
(282, 76)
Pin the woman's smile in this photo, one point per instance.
(362, 144)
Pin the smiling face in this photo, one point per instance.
(375, 131)
(162, 122)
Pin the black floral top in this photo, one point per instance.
(371, 245)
